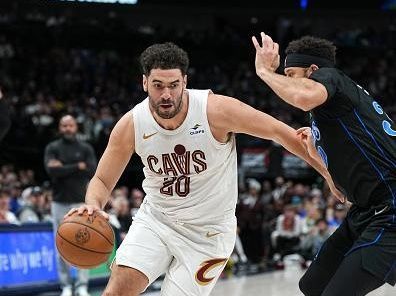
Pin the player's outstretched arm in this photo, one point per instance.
(302, 93)
(306, 138)
(227, 115)
(231, 115)
(118, 152)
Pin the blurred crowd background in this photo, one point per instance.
(66, 58)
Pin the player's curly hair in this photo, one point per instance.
(164, 56)
(313, 46)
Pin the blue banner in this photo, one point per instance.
(27, 258)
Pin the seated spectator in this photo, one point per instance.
(250, 213)
(280, 188)
(45, 200)
(321, 235)
(309, 221)
(31, 211)
(266, 195)
(286, 237)
(6, 216)
(330, 205)
(136, 199)
(312, 243)
(122, 213)
(340, 212)
(297, 202)
(316, 196)
(15, 194)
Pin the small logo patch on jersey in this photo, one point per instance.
(209, 234)
(145, 137)
(196, 130)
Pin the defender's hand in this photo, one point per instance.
(267, 55)
(306, 138)
(90, 209)
(337, 193)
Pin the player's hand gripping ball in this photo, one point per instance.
(85, 241)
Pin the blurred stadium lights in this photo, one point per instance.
(303, 4)
(104, 1)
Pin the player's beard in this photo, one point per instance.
(177, 104)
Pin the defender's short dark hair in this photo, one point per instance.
(164, 56)
(313, 46)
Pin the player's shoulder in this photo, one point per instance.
(327, 73)
(333, 79)
(126, 119)
(215, 109)
(122, 136)
(198, 97)
(199, 92)
(218, 99)
(140, 104)
(217, 104)
(221, 109)
(125, 125)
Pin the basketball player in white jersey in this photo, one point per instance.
(186, 226)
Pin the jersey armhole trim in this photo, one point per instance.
(217, 144)
(136, 127)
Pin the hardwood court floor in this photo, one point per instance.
(277, 283)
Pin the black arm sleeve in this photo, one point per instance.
(339, 100)
(329, 78)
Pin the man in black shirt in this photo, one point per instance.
(356, 141)
(70, 163)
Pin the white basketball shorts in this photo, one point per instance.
(191, 256)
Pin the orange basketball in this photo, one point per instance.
(85, 241)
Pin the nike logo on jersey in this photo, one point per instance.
(145, 137)
(381, 211)
(208, 234)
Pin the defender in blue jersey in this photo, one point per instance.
(356, 141)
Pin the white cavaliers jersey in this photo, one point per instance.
(189, 175)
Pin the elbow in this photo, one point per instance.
(301, 102)
(305, 108)
(308, 99)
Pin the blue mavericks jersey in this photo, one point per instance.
(356, 139)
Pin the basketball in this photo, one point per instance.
(85, 241)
